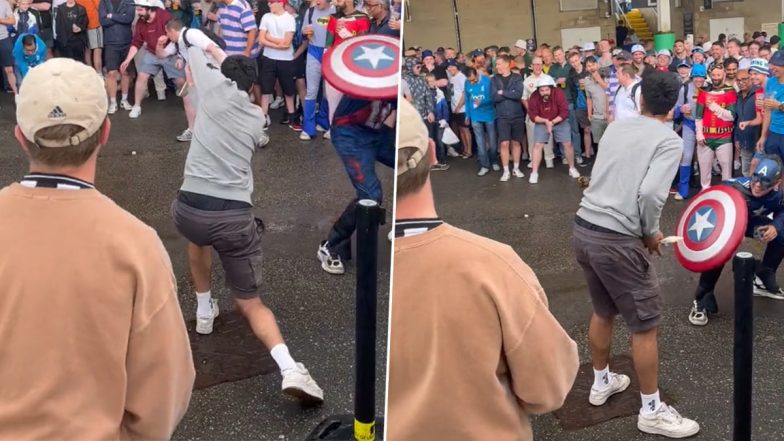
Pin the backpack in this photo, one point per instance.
(209, 33)
(299, 37)
(632, 95)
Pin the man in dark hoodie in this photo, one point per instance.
(116, 17)
(507, 91)
(71, 30)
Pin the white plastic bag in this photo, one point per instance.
(449, 137)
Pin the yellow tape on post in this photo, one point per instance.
(364, 431)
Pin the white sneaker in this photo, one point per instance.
(320, 129)
(564, 161)
(678, 197)
(112, 108)
(496, 167)
(534, 178)
(618, 383)
(204, 325)
(579, 160)
(517, 173)
(574, 173)
(136, 112)
(267, 121)
(736, 165)
(548, 163)
(505, 176)
(452, 153)
(668, 422)
(126, 105)
(304, 136)
(185, 136)
(531, 164)
(277, 103)
(330, 262)
(483, 171)
(761, 291)
(299, 384)
(327, 135)
(698, 317)
(161, 95)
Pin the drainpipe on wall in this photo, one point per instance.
(533, 20)
(457, 26)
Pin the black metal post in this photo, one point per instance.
(369, 215)
(743, 267)
(457, 26)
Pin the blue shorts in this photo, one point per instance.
(151, 65)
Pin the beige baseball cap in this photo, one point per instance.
(411, 133)
(61, 91)
(521, 44)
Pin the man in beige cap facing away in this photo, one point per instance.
(471, 355)
(94, 345)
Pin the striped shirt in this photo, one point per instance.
(236, 20)
(612, 89)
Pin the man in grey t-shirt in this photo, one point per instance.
(596, 98)
(617, 221)
(214, 207)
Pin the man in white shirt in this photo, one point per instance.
(530, 87)
(276, 32)
(627, 99)
(457, 85)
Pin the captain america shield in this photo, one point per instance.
(365, 67)
(712, 227)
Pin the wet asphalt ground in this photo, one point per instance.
(300, 189)
(695, 363)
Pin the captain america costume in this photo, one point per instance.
(361, 138)
(760, 210)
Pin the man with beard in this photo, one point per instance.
(714, 120)
(149, 29)
(530, 86)
(679, 55)
(638, 58)
(550, 112)
(731, 71)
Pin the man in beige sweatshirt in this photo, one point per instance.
(93, 342)
(471, 354)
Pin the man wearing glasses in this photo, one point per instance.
(749, 120)
(763, 197)
(381, 21)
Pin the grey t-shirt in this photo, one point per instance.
(227, 129)
(631, 178)
(319, 22)
(5, 12)
(598, 97)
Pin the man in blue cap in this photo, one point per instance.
(763, 198)
(685, 110)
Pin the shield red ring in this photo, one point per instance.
(366, 67)
(712, 227)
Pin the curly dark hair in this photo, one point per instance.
(241, 70)
(659, 91)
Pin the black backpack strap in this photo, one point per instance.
(185, 38)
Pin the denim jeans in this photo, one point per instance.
(577, 137)
(486, 141)
(359, 149)
(436, 132)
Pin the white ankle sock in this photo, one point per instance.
(280, 353)
(650, 403)
(601, 379)
(517, 166)
(113, 100)
(125, 97)
(204, 302)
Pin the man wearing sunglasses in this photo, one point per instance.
(763, 195)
